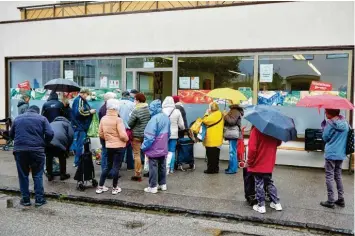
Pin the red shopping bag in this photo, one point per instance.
(241, 150)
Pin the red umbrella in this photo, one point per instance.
(325, 101)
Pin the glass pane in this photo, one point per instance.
(102, 73)
(198, 75)
(129, 80)
(284, 80)
(150, 62)
(29, 77)
(146, 85)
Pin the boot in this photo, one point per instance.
(64, 176)
(327, 204)
(340, 202)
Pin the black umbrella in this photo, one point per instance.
(62, 85)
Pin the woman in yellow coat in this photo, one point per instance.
(214, 137)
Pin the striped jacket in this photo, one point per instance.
(81, 116)
(139, 120)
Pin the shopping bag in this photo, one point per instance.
(146, 164)
(202, 133)
(196, 126)
(94, 127)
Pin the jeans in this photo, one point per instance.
(103, 155)
(261, 180)
(157, 171)
(52, 152)
(233, 160)
(114, 160)
(79, 139)
(136, 144)
(171, 155)
(34, 160)
(333, 173)
(129, 157)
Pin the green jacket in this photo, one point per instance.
(139, 120)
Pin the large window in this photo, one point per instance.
(101, 73)
(284, 80)
(198, 75)
(149, 62)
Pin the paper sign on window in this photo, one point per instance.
(266, 73)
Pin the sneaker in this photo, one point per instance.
(101, 189)
(25, 203)
(64, 177)
(162, 187)
(136, 178)
(75, 165)
(116, 190)
(260, 209)
(151, 190)
(172, 171)
(328, 204)
(38, 204)
(180, 168)
(277, 206)
(340, 202)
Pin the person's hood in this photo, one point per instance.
(240, 109)
(155, 107)
(53, 96)
(339, 124)
(168, 105)
(31, 110)
(62, 119)
(21, 102)
(141, 105)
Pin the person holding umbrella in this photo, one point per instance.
(270, 127)
(81, 120)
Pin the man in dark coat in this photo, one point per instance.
(31, 133)
(61, 142)
(52, 108)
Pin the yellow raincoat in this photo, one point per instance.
(214, 134)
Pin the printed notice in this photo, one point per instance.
(266, 73)
(184, 83)
(69, 74)
(195, 83)
(103, 82)
(114, 84)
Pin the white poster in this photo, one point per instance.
(69, 74)
(266, 73)
(103, 82)
(184, 82)
(114, 84)
(195, 82)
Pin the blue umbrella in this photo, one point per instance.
(270, 121)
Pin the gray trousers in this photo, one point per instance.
(333, 173)
(262, 179)
(157, 171)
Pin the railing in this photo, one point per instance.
(71, 9)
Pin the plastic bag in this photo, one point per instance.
(94, 127)
(202, 133)
(196, 126)
(146, 164)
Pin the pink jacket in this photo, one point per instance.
(112, 130)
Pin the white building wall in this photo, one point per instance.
(288, 24)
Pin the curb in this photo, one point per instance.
(179, 210)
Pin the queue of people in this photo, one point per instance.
(155, 130)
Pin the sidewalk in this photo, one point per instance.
(220, 195)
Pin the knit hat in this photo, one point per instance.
(214, 106)
(176, 99)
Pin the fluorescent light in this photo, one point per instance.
(235, 72)
(299, 57)
(314, 68)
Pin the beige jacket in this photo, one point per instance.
(112, 130)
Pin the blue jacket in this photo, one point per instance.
(335, 136)
(52, 108)
(157, 132)
(81, 116)
(63, 133)
(126, 106)
(31, 132)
